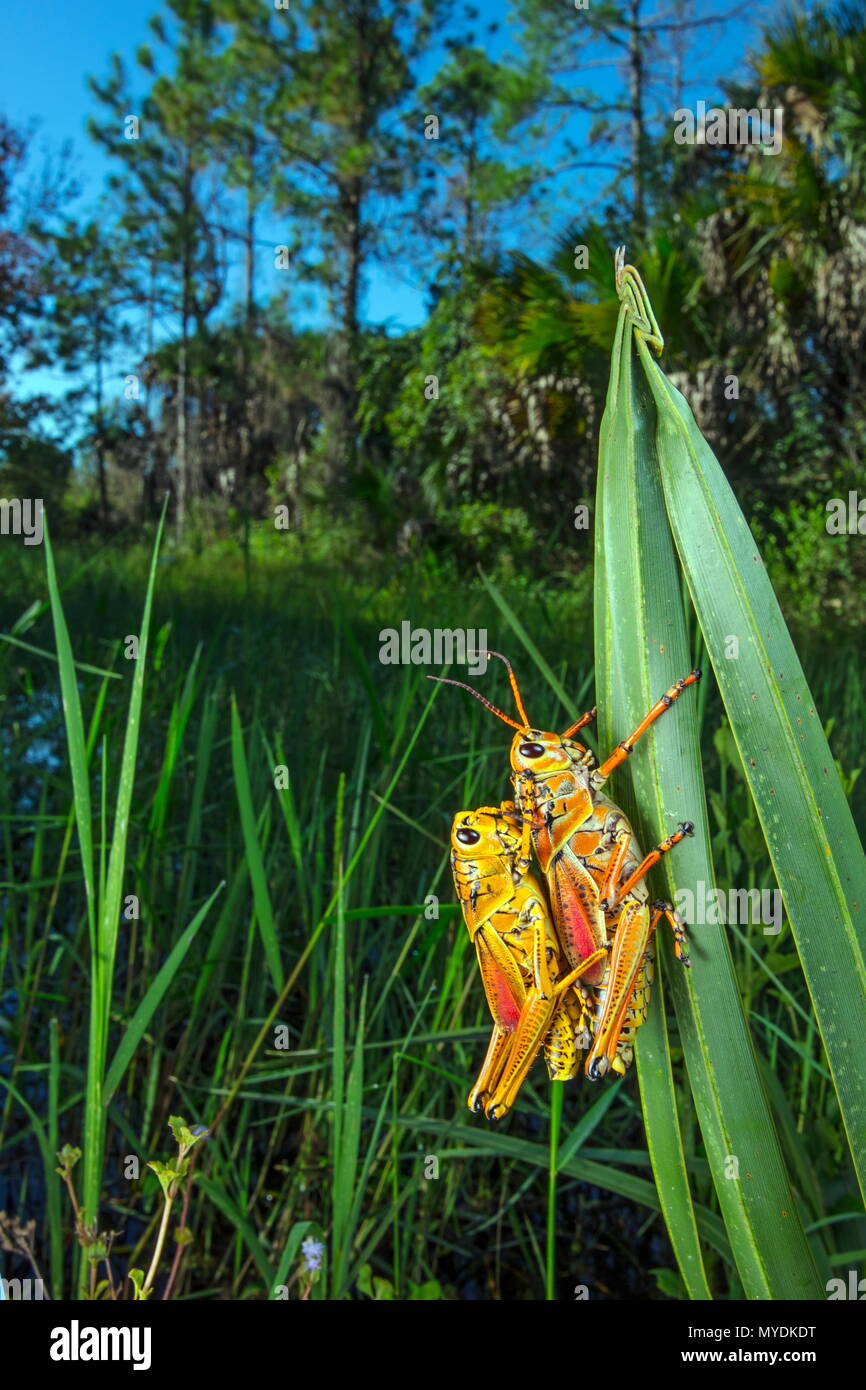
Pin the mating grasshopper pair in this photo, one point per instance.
(570, 968)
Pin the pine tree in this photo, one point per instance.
(170, 211)
(84, 324)
(338, 119)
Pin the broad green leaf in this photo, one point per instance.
(664, 1141)
(814, 847)
(641, 649)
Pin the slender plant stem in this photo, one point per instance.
(556, 1099)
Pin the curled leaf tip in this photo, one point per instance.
(632, 292)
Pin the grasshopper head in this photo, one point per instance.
(489, 833)
(538, 752)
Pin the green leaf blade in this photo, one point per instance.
(641, 648)
(254, 855)
(813, 843)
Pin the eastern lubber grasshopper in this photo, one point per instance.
(592, 866)
(531, 1001)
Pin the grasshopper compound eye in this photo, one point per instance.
(468, 837)
(531, 750)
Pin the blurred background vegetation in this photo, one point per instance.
(471, 438)
(416, 467)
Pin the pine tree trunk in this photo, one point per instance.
(100, 446)
(244, 482)
(344, 368)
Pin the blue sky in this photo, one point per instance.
(49, 48)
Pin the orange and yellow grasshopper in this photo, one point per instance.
(532, 1002)
(593, 868)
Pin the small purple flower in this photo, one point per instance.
(312, 1251)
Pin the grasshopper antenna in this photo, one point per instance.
(442, 680)
(515, 688)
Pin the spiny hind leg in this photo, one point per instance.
(678, 927)
(491, 1068)
(529, 1035)
(610, 902)
(638, 1011)
(526, 1042)
(618, 1057)
(540, 964)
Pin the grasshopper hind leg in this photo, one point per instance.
(619, 1055)
(491, 1069)
(677, 925)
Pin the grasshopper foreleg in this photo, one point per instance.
(621, 752)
